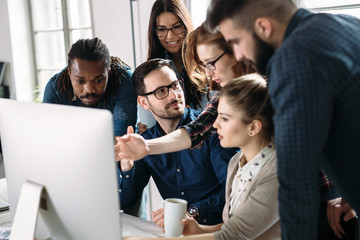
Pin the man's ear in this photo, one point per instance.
(68, 71)
(264, 28)
(143, 101)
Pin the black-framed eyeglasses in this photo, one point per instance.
(163, 92)
(163, 31)
(211, 65)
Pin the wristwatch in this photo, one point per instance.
(193, 212)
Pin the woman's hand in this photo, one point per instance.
(191, 226)
(131, 147)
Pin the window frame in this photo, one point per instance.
(66, 31)
(329, 7)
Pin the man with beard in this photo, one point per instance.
(313, 66)
(199, 175)
(94, 79)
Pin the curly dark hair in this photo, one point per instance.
(92, 50)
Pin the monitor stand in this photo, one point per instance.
(24, 223)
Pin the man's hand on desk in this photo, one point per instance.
(158, 217)
(131, 147)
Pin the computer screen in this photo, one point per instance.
(68, 150)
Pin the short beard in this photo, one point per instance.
(166, 114)
(263, 53)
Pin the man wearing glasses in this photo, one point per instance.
(197, 176)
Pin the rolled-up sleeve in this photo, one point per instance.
(202, 127)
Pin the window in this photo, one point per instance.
(56, 25)
(198, 9)
(350, 7)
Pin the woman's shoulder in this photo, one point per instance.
(269, 169)
(235, 159)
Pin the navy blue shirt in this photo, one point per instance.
(314, 86)
(198, 176)
(122, 103)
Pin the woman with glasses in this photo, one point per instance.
(169, 24)
(210, 61)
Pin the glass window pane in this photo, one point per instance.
(198, 9)
(79, 13)
(79, 34)
(50, 50)
(327, 3)
(43, 78)
(46, 14)
(353, 12)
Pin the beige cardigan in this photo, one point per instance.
(257, 217)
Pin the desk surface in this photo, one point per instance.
(131, 226)
(5, 220)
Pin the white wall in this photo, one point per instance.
(16, 50)
(112, 23)
(22, 65)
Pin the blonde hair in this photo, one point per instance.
(248, 94)
(202, 35)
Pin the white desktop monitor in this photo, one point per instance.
(70, 151)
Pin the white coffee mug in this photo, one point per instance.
(174, 212)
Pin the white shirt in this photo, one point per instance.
(246, 172)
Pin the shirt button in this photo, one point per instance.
(178, 170)
(182, 193)
(120, 176)
(204, 220)
(119, 190)
(127, 176)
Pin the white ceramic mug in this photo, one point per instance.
(174, 212)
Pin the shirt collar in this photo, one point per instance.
(294, 22)
(296, 19)
(259, 160)
(183, 121)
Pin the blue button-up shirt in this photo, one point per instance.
(122, 102)
(198, 176)
(314, 86)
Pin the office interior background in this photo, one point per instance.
(35, 35)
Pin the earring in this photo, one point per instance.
(251, 133)
(74, 98)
